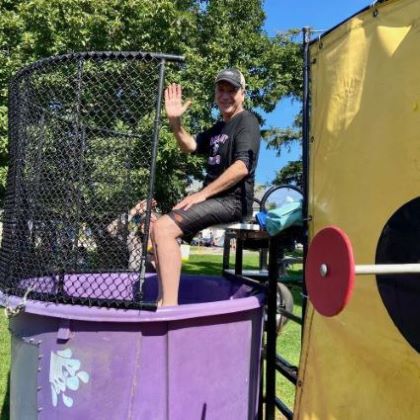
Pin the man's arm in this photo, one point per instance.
(186, 141)
(231, 176)
(174, 110)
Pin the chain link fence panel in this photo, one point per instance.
(83, 133)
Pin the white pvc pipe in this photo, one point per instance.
(388, 269)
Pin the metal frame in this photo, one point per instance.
(15, 103)
(274, 361)
(305, 151)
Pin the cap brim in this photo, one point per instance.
(232, 82)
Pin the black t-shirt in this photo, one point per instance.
(227, 142)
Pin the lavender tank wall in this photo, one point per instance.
(199, 360)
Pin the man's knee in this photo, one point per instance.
(165, 228)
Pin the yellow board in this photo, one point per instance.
(364, 165)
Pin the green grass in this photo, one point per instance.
(4, 367)
(288, 346)
(200, 262)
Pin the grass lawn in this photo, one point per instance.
(200, 262)
(4, 366)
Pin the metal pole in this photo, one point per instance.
(378, 269)
(305, 154)
(275, 255)
(387, 269)
(152, 178)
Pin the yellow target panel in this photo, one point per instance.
(364, 163)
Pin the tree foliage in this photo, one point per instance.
(284, 138)
(290, 174)
(211, 34)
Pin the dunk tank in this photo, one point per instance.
(87, 340)
(360, 356)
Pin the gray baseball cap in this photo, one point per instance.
(232, 76)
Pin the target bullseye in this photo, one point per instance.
(330, 270)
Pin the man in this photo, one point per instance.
(231, 147)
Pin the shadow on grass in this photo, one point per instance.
(5, 409)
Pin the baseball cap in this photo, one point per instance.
(232, 76)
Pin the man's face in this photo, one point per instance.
(229, 99)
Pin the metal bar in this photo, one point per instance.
(239, 255)
(275, 255)
(129, 189)
(156, 130)
(263, 259)
(286, 369)
(387, 269)
(226, 250)
(245, 280)
(292, 260)
(292, 282)
(110, 303)
(290, 316)
(261, 391)
(284, 409)
(134, 55)
(305, 154)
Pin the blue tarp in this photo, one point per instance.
(279, 219)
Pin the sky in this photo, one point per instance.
(280, 16)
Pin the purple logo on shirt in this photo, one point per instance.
(221, 138)
(214, 160)
(214, 144)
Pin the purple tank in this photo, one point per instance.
(196, 361)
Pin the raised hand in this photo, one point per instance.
(173, 101)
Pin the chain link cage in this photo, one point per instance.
(83, 134)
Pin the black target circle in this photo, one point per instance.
(399, 243)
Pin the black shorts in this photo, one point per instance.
(211, 212)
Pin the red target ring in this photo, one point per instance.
(330, 293)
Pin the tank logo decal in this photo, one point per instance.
(65, 374)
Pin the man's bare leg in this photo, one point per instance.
(158, 276)
(156, 261)
(168, 258)
(159, 281)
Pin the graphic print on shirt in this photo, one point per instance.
(215, 142)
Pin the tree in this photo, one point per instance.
(210, 33)
(290, 174)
